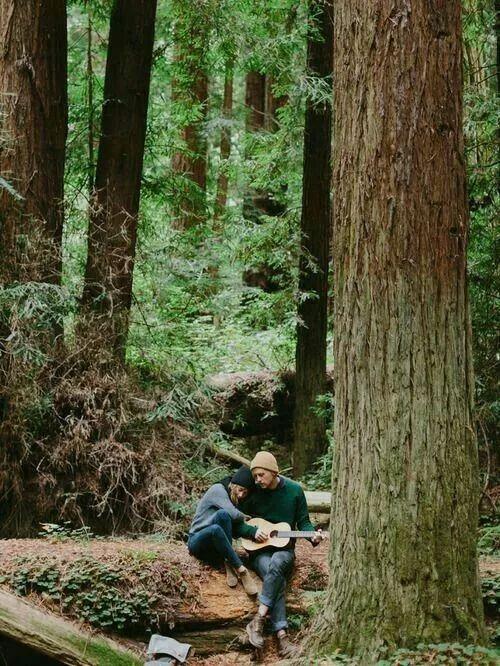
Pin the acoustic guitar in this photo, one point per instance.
(279, 535)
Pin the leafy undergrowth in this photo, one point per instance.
(118, 451)
(123, 587)
(449, 654)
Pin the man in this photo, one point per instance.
(211, 532)
(276, 499)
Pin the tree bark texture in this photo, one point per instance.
(107, 291)
(310, 357)
(225, 143)
(190, 92)
(34, 114)
(405, 482)
(255, 101)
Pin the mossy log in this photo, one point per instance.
(57, 638)
(192, 599)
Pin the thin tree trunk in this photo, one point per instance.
(107, 291)
(255, 101)
(405, 482)
(259, 103)
(497, 36)
(34, 112)
(310, 428)
(255, 105)
(90, 105)
(190, 92)
(225, 143)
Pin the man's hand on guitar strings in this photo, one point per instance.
(261, 536)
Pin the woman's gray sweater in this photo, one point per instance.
(214, 499)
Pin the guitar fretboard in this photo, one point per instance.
(297, 535)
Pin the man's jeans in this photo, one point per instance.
(273, 567)
(213, 544)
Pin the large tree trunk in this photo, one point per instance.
(310, 356)
(34, 112)
(107, 292)
(190, 94)
(405, 482)
(33, 128)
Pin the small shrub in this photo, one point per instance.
(489, 539)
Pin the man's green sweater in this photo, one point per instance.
(285, 504)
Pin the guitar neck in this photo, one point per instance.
(297, 535)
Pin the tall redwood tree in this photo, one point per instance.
(34, 120)
(405, 482)
(107, 293)
(310, 357)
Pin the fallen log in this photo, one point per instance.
(229, 456)
(199, 600)
(213, 641)
(57, 638)
(257, 403)
(317, 501)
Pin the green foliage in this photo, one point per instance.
(450, 654)
(65, 532)
(119, 596)
(31, 311)
(481, 121)
(320, 476)
(489, 538)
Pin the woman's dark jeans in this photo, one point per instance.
(213, 544)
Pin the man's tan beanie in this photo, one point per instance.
(265, 460)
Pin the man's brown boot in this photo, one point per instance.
(231, 576)
(255, 631)
(248, 584)
(285, 647)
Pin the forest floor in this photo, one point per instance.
(66, 577)
(186, 595)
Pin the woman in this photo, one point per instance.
(211, 532)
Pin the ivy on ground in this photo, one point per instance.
(121, 596)
(449, 654)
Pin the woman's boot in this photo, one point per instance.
(231, 576)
